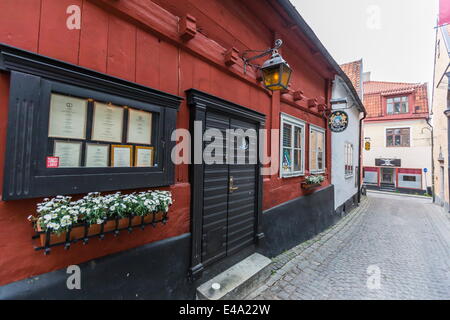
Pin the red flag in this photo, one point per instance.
(444, 12)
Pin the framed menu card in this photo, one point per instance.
(139, 127)
(97, 155)
(69, 153)
(143, 157)
(121, 156)
(108, 123)
(67, 117)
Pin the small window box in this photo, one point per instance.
(84, 232)
(309, 186)
(312, 182)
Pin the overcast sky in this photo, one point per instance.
(395, 38)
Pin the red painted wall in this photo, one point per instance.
(138, 40)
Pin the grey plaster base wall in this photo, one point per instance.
(298, 220)
(347, 206)
(154, 271)
(441, 202)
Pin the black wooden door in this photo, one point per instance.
(230, 191)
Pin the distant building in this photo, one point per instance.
(440, 112)
(345, 173)
(397, 137)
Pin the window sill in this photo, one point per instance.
(292, 175)
(349, 176)
(318, 172)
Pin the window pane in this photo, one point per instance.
(297, 160)
(320, 160)
(297, 137)
(397, 140)
(404, 98)
(320, 141)
(287, 162)
(404, 107)
(396, 107)
(389, 108)
(313, 143)
(405, 140)
(287, 135)
(390, 141)
(389, 131)
(313, 159)
(397, 99)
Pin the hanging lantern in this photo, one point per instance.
(276, 72)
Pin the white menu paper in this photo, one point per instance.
(67, 117)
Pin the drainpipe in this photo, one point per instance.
(432, 156)
(360, 155)
(447, 114)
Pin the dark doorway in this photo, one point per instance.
(226, 192)
(230, 192)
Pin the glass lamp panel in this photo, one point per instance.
(271, 76)
(285, 75)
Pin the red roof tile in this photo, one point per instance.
(353, 70)
(376, 91)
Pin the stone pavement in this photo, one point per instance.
(390, 247)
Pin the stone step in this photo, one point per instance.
(238, 281)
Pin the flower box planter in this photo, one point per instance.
(62, 213)
(78, 232)
(309, 186)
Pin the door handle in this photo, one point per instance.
(232, 188)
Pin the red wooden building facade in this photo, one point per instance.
(172, 46)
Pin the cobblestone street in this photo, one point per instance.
(407, 238)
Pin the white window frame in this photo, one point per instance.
(348, 159)
(321, 130)
(293, 122)
(401, 98)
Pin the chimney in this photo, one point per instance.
(366, 76)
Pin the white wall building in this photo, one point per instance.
(345, 173)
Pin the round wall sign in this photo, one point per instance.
(338, 121)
